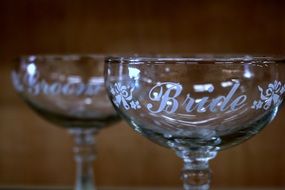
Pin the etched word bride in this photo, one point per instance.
(166, 95)
(167, 92)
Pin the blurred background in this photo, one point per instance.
(34, 152)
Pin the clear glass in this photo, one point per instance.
(196, 105)
(69, 91)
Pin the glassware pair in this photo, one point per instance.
(195, 105)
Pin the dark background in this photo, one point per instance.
(33, 152)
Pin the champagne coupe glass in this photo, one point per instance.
(69, 91)
(196, 105)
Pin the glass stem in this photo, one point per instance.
(196, 173)
(84, 154)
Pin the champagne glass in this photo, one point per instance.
(69, 91)
(196, 105)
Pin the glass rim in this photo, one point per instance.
(64, 57)
(195, 58)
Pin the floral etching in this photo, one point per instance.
(124, 95)
(270, 96)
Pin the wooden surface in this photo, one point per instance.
(33, 152)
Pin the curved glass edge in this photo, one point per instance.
(195, 58)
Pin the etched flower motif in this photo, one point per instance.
(270, 96)
(124, 95)
(282, 89)
(17, 82)
(112, 91)
(135, 105)
(257, 104)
